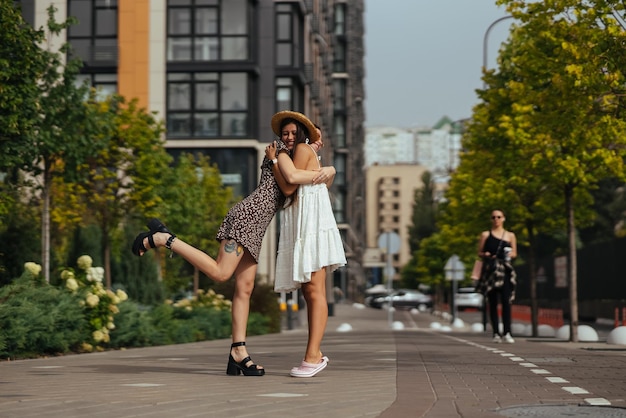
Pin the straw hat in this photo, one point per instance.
(288, 114)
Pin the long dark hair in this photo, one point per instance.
(302, 135)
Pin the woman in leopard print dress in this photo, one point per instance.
(240, 236)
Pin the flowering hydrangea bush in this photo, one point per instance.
(205, 299)
(100, 304)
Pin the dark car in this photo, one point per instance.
(404, 299)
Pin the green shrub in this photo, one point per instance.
(38, 319)
(184, 322)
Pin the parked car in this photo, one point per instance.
(467, 297)
(375, 292)
(404, 299)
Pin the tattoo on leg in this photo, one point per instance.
(232, 247)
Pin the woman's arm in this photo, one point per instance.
(513, 241)
(295, 171)
(287, 188)
(481, 245)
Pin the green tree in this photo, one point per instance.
(195, 204)
(423, 219)
(55, 134)
(120, 179)
(568, 89)
(22, 64)
(423, 225)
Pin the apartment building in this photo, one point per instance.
(395, 159)
(215, 71)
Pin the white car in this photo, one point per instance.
(467, 297)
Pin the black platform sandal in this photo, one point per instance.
(155, 226)
(235, 368)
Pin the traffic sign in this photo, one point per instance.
(454, 268)
(389, 242)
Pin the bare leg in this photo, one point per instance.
(219, 270)
(317, 313)
(244, 285)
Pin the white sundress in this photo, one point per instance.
(309, 239)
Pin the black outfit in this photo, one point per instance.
(504, 292)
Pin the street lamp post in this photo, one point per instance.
(486, 39)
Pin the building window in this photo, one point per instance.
(288, 95)
(339, 96)
(105, 84)
(339, 131)
(287, 35)
(94, 37)
(340, 19)
(207, 30)
(339, 57)
(207, 105)
(339, 207)
(340, 167)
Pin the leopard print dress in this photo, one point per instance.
(247, 221)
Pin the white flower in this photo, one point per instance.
(95, 274)
(33, 268)
(110, 325)
(84, 262)
(67, 274)
(121, 294)
(97, 335)
(71, 284)
(92, 300)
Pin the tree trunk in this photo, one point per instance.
(534, 305)
(106, 253)
(572, 274)
(45, 223)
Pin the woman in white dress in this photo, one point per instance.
(309, 238)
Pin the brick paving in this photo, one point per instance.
(375, 370)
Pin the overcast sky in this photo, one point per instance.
(423, 58)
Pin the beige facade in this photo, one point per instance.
(389, 208)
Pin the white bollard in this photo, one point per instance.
(585, 333)
(617, 336)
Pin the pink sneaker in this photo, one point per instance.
(309, 369)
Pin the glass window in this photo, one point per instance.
(179, 22)
(339, 207)
(340, 167)
(94, 38)
(287, 33)
(206, 21)
(81, 10)
(340, 19)
(207, 30)
(339, 96)
(234, 48)
(234, 91)
(234, 22)
(339, 131)
(289, 94)
(106, 22)
(283, 27)
(207, 105)
(339, 58)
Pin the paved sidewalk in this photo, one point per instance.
(374, 371)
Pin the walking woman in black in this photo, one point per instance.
(497, 247)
